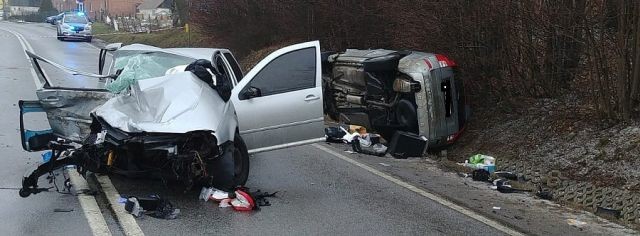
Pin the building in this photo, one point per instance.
(155, 8)
(98, 9)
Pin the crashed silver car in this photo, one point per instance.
(388, 91)
(187, 114)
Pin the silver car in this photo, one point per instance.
(74, 26)
(162, 116)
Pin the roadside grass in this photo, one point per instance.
(165, 39)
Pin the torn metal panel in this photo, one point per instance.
(68, 111)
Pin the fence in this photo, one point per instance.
(141, 24)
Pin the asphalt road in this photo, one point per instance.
(34, 215)
(319, 193)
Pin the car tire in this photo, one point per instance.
(241, 161)
(407, 115)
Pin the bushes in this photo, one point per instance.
(506, 49)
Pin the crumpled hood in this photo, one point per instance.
(177, 103)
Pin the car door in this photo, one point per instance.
(279, 102)
(67, 108)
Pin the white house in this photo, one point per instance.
(155, 8)
(22, 10)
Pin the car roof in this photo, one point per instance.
(195, 53)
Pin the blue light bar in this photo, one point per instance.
(81, 13)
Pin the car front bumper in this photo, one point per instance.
(76, 34)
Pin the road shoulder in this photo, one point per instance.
(518, 210)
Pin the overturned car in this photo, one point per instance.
(185, 114)
(387, 91)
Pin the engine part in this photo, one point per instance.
(405, 86)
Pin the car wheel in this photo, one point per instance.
(241, 161)
(407, 115)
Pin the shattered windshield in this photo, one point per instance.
(136, 65)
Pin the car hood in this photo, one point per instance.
(177, 103)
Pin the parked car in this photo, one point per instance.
(74, 25)
(54, 19)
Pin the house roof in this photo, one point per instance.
(153, 4)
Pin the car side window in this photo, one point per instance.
(234, 66)
(293, 71)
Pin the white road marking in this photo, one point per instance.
(126, 220)
(433, 197)
(89, 205)
(26, 46)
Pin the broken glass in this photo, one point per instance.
(138, 66)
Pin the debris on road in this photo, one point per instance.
(240, 200)
(63, 210)
(384, 164)
(334, 134)
(480, 175)
(506, 175)
(480, 161)
(405, 144)
(608, 213)
(207, 194)
(576, 223)
(153, 206)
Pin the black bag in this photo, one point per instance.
(405, 144)
(334, 134)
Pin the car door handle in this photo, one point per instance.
(311, 97)
(51, 100)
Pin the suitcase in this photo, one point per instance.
(405, 144)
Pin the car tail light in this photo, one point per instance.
(445, 61)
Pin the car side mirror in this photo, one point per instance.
(250, 92)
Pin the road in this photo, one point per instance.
(320, 190)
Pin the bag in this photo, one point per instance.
(405, 144)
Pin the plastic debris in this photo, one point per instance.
(153, 206)
(576, 223)
(384, 164)
(608, 213)
(46, 156)
(207, 194)
(480, 161)
(63, 210)
(243, 201)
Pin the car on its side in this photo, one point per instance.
(74, 26)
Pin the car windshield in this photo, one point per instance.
(137, 65)
(75, 19)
